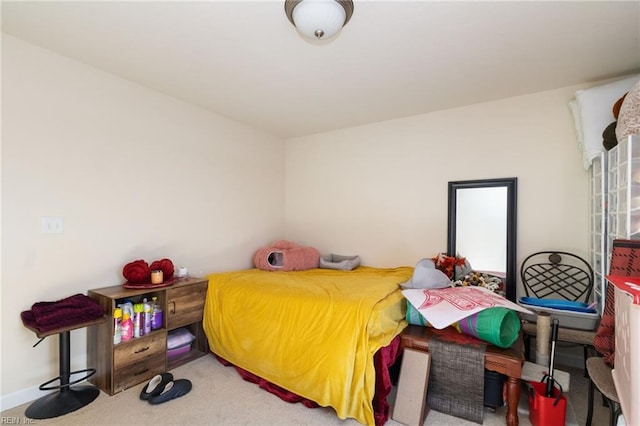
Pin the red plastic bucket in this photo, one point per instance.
(544, 410)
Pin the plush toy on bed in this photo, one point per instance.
(286, 255)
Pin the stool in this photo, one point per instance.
(67, 399)
(600, 378)
(567, 335)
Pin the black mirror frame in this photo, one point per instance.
(512, 195)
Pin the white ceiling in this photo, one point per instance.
(244, 60)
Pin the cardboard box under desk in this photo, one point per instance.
(410, 407)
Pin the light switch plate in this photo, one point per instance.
(52, 225)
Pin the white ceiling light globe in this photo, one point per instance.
(319, 19)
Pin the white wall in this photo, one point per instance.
(134, 173)
(380, 190)
(137, 174)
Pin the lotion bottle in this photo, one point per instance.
(147, 316)
(138, 326)
(156, 315)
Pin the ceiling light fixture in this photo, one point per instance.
(319, 19)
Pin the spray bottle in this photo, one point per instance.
(117, 332)
(126, 327)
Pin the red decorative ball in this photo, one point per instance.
(165, 265)
(137, 272)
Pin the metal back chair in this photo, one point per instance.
(557, 275)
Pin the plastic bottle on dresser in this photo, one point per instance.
(138, 326)
(127, 308)
(156, 314)
(126, 327)
(117, 332)
(147, 316)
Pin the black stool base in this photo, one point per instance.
(61, 403)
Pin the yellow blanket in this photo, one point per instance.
(311, 332)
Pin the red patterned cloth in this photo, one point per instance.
(625, 258)
(625, 262)
(605, 340)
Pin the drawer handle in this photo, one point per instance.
(172, 309)
(141, 372)
(142, 350)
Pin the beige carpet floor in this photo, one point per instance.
(220, 397)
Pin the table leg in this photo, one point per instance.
(513, 398)
(64, 360)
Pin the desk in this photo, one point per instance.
(505, 361)
(68, 398)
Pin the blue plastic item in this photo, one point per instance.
(566, 305)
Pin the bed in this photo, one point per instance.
(313, 332)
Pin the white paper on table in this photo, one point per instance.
(442, 307)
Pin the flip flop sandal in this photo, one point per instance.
(172, 390)
(155, 385)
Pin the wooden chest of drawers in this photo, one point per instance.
(121, 366)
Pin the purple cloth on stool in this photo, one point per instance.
(76, 309)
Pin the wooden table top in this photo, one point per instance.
(42, 334)
(505, 361)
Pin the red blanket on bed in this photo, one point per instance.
(383, 359)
